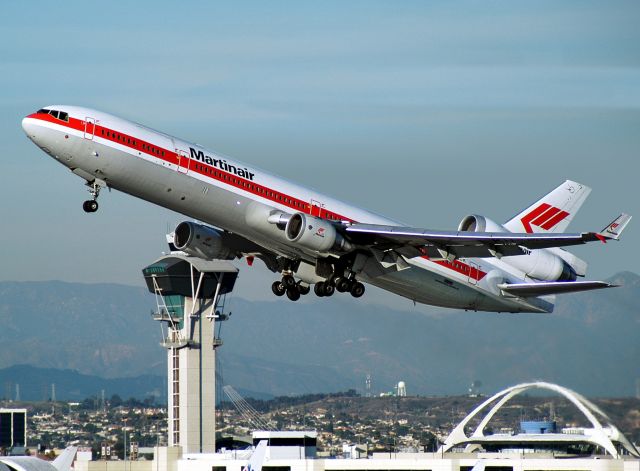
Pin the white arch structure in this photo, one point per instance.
(602, 436)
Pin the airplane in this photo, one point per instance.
(312, 239)
(32, 463)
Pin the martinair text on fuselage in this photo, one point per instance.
(221, 164)
(313, 239)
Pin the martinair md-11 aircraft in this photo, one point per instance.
(310, 238)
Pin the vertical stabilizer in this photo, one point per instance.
(65, 460)
(257, 458)
(553, 212)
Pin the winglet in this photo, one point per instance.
(614, 230)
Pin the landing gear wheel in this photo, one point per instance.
(90, 206)
(304, 289)
(357, 289)
(343, 285)
(293, 294)
(318, 288)
(277, 288)
(328, 289)
(288, 281)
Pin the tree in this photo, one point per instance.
(115, 401)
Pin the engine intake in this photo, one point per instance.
(315, 234)
(201, 241)
(477, 223)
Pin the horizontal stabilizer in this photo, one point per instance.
(532, 290)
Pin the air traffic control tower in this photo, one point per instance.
(190, 294)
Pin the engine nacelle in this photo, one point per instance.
(477, 223)
(201, 241)
(315, 234)
(542, 265)
(539, 264)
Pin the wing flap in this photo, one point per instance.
(532, 290)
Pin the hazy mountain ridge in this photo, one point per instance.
(279, 347)
(36, 384)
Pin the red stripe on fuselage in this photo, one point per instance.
(228, 178)
(462, 268)
(196, 166)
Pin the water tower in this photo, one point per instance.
(190, 294)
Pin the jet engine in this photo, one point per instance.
(201, 241)
(476, 223)
(542, 265)
(315, 234)
(538, 264)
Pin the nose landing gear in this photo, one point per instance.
(91, 206)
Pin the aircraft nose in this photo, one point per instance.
(32, 129)
(29, 127)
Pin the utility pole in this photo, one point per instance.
(124, 432)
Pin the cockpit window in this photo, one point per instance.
(62, 115)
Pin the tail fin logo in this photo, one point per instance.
(544, 216)
(612, 228)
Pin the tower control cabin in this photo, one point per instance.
(190, 294)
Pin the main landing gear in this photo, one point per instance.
(91, 206)
(341, 284)
(322, 289)
(289, 287)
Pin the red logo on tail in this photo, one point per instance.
(544, 216)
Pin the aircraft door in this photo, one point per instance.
(89, 128)
(474, 269)
(183, 161)
(316, 208)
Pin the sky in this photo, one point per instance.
(421, 111)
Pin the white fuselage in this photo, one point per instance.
(234, 196)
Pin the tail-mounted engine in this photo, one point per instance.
(202, 241)
(538, 264)
(476, 223)
(314, 233)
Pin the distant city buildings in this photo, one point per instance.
(13, 428)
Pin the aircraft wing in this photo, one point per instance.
(532, 290)
(447, 244)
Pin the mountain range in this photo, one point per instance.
(590, 343)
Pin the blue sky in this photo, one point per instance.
(423, 111)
